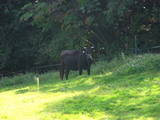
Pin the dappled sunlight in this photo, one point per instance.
(143, 118)
(84, 99)
(96, 97)
(103, 75)
(104, 96)
(28, 104)
(108, 73)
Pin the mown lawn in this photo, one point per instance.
(120, 90)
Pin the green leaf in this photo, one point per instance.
(26, 16)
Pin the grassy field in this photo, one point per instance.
(127, 88)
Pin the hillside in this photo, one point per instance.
(127, 88)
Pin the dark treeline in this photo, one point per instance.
(33, 33)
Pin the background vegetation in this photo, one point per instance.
(33, 32)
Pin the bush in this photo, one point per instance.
(140, 63)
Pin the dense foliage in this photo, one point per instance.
(34, 32)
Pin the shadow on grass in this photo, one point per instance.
(130, 97)
(16, 82)
(14, 87)
(86, 83)
(23, 81)
(49, 82)
(21, 91)
(73, 84)
(118, 106)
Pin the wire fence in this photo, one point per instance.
(45, 68)
(36, 70)
(155, 49)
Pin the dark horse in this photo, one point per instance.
(75, 60)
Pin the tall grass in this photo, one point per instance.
(129, 64)
(119, 65)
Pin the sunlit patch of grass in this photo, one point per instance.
(113, 92)
(126, 97)
(28, 104)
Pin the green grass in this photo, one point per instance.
(127, 88)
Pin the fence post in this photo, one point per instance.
(37, 82)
